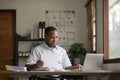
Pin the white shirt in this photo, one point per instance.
(53, 58)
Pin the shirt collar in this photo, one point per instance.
(56, 47)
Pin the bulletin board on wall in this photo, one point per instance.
(64, 21)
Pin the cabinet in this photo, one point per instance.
(7, 40)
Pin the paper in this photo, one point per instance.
(15, 68)
(42, 69)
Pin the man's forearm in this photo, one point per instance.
(78, 67)
(30, 67)
(70, 67)
(38, 64)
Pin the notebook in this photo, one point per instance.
(15, 68)
(93, 62)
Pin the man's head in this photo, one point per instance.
(51, 36)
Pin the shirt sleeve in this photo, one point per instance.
(66, 60)
(33, 57)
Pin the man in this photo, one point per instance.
(49, 54)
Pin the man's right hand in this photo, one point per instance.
(39, 64)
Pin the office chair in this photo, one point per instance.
(63, 77)
(34, 77)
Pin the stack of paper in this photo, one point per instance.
(15, 68)
(42, 69)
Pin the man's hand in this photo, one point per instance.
(39, 64)
(78, 67)
(75, 67)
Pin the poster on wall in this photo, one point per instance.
(64, 21)
(69, 21)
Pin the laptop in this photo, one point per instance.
(93, 62)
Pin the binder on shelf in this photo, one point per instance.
(41, 29)
(31, 34)
(40, 33)
(34, 33)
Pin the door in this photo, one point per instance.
(7, 40)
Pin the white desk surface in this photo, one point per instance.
(98, 74)
(72, 72)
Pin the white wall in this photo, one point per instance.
(99, 22)
(30, 12)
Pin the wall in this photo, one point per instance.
(99, 26)
(30, 12)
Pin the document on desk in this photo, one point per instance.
(42, 69)
(48, 69)
(15, 68)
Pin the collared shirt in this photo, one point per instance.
(53, 58)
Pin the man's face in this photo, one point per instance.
(51, 38)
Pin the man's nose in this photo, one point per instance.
(54, 39)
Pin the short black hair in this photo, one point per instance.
(50, 28)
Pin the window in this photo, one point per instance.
(91, 25)
(110, 50)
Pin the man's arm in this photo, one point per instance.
(39, 64)
(75, 67)
(30, 67)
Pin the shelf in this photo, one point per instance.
(22, 56)
(31, 39)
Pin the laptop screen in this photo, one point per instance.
(93, 61)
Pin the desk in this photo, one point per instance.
(99, 73)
